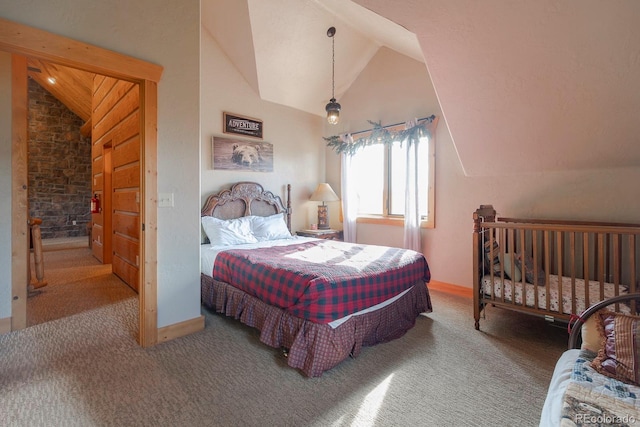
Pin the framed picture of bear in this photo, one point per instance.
(236, 154)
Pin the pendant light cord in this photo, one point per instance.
(333, 108)
(333, 67)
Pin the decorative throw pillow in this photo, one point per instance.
(525, 264)
(591, 339)
(618, 354)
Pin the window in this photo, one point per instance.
(378, 173)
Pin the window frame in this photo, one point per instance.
(386, 218)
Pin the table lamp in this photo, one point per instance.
(324, 193)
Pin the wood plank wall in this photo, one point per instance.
(116, 175)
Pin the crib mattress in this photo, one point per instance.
(568, 294)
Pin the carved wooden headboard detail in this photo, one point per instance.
(244, 199)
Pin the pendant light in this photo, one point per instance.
(333, 108)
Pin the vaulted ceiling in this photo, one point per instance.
(282, 49)
(524, 86)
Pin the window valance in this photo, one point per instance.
(412, 131)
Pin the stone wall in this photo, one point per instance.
(59, 167)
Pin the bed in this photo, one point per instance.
(595, 382)
(320, 301)
(554, 269)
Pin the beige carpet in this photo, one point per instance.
(87, 370)
(77, 282)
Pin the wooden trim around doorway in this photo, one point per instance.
(19, 193)
(24, 41)
(148, 289)
(40, 44)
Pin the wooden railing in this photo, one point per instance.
(36, 241)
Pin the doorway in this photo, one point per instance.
(72, 53)
(60, 192)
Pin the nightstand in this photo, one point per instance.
(321, 234)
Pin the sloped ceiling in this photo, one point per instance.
(70, 86)
(530, 86)
(282, 49)
(525, 86)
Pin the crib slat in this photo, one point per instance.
(523, 280)
(559, 265)
(585, 267)
(600, 275)
(492, 255)
(492, 273)
(633, 269)
(511, 244)
(572, 252)
(545, 245)
(502, 247)
(500, 239)
(632, 262)
(616, 246)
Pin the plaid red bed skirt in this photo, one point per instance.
(315, 348)
(322, 280)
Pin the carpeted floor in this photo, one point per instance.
(77, 282)
(87, 370)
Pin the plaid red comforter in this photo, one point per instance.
(323, 280)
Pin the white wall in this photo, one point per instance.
(165, 32)
(296, 136)
(395, 88)
(5, 185)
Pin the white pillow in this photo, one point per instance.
(228, 232)
(270, 227)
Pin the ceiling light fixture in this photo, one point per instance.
(51, 80)
(333, 108)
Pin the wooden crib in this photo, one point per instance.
(550, 268)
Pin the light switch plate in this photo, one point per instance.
(165, 200)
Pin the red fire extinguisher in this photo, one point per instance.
(95, 204)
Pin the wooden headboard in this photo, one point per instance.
(244, 199)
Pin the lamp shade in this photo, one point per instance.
(324, 193)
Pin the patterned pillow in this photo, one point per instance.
(528, 268)
(618, 354)
(590, 335)
(492, 263)
(497, 263)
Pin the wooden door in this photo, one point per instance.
(116, 176)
